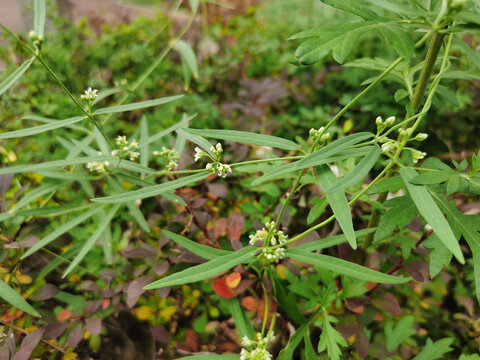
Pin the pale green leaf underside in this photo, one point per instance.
(41, 128)
(40, 14)
(246, 138)
(344, 267)
(206, 270)
(13, 298)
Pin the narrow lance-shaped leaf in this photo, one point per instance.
(431, 213)
(196, 139)
(358, 172)
(246, 138)
(206, 270)
(40, 14)
(322, 156)
(206, 252)
(138, 105)
(339, 204)
(13, 298)
(344, 267)
(153, 190)
(144, 151)
(92, 239)
(182, 123)
(242, 322)
(13, 77)
(61, 230)
(41, 128)
(332, 241)
(188, 56)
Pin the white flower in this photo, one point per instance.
(223, 170)
(199, 154)
(99, 167)
(90, 94)
(126, 149)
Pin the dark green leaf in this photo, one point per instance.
(13, 298)
(242, 322)
(435, 350)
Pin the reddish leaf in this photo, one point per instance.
(135, 289)
(138, 253)
(161, 268)
(219, 227)
(233, 280)
(219, 190)
(163, 292)
(4, 353)
(44, 292)
(356, 305)
(361, 343)
(417, 270)
(272, 308)
(91, 307)
(192, 339)
(389, 304)
(221, 288)
(93, 325)
(160, 334)
(244, 285)
(28, 344)
(75, 336)
(235, 225)
(54, 330)
(468, 303)
(250, 303)
(105, 303)
(64, 315)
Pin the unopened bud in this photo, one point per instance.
(390, 120)
(378, 120)
(421, 137)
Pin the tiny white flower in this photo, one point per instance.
(199, 154)
(90, 94)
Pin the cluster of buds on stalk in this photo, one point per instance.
(320, 135)
(171, 156)
(256, 349)
(98, 166)
(36, 39)
(277, 237)
(382, 125)
(126, 149)
(89, 96)
(221, 169)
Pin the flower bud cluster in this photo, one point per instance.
(277, 238)
(98, 166)
(257, 349)
(222, 170)
(126, 149)
(382, 125)
(89, 95)
(417, 155)
(319, 134)
(35, 38)
(171, 156)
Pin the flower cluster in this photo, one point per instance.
(257, 350)
(89, 95)
(382, 125)
(171, 156)
(277, 237)
(222, 170)
(319, 134)
(97, 166)
(126, 149)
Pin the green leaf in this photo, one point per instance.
(206, 270)
(435, 350)
(391, 184)
(188, 56)
(401, 332)
(343, 267)
(13, 77)
(334, 152)
(193, 4)
(153, 190)
(155, 137)
(319, 205)
(472, 55)
(242, 322)
(310, 352)
(353, 7)
(332, 241)
(339, 204)
(61, 230)
(395, 35)
(439, 255)
(330, 339)
(51, 164)
(206, 252)
(431, 213)
(293, 342)
(288, 301)
(196, 139)
(432, 177)
(39, 20)
(41, 128)
(137, 106)
(358, 172)
(468, 227)
(246, 138)
(92, 239)
(144, 151)
(13, 298)
(401, 214)
(106, 238)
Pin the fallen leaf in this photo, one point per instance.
(233, 280)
